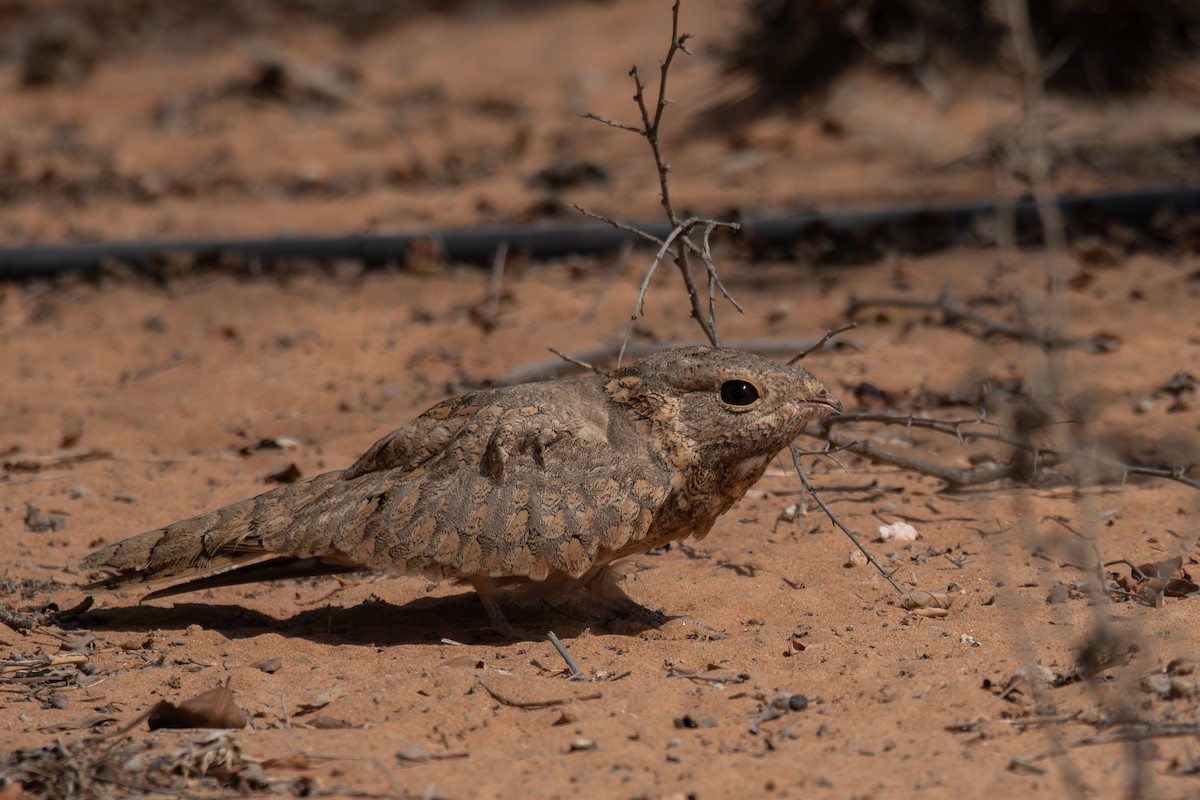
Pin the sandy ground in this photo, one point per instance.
(792, 669)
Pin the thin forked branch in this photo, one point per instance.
(679, 241)
(954, 312)
(836, 520)
(829, 334)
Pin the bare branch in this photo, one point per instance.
(705, 253)
(571, 360)
(609, 279)
(954, 312)
(612, 123)
(829, 334)
(1044, 455)
(956, 478)
(496, 281)
(836, 520)
(618, 225)
(639, 306)
(651, 126)
(576, 672)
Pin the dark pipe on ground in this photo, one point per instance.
(936, 226)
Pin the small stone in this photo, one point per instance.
(38, 521)
(688, 721)
(413, 755)
(1060, 593)
(1157, 683)
(797, 702)
(898, 532)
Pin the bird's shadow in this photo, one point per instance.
(425, 620)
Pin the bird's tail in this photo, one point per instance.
(211, 543)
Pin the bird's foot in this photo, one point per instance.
(502, 626)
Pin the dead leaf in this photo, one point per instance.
(324, 699)
(1181, 666)
(1153, 581)
(274, 443)
(910, 601)
(1060, 593)
(568, 716)
(1178, 587)
(212, 709)
(1167, 568)
(268, 665)
(289, 474)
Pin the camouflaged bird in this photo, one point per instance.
(528, 493)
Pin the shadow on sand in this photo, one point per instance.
(425, 620)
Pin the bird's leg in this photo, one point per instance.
(486, 589)
(604, 588)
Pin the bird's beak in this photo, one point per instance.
(828, 405)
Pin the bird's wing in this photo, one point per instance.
(531, 494)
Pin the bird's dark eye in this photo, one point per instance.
(738, 393)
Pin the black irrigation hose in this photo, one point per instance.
(925, 228)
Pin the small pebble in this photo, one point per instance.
(413, 755)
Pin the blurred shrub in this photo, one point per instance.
(795, 48)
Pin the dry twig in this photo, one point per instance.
(954, 312)
(824, 340)
(836, 520)
(679, 240)
(576, 672)
(532, 704)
